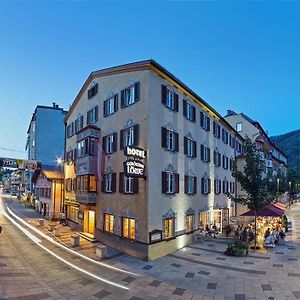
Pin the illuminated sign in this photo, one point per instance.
(135, 152)
(134, 168)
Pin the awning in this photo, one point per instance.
(280, 205)
(270, 211)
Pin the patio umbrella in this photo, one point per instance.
(278, 205)
(270, 211)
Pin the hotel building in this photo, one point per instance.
(187, 148)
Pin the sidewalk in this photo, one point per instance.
(63, 233)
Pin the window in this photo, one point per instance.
(225, 136)
(109, 223)
(72, 213)
(225, 187)
(205, 153)
(189, 111)
(169, 139)
(205, 185)
(92, 116)
(128, 185)
(204, 121)
(78, 123)
(169, 228)
(231, 164)
(217, 158)
(70, 130)
(130, 95)
(93, 91)
(238, 146)
(129, 137)
(232, 187)
(190, 185)
(216, 130)
(33, 143)
(86, 183)
(93, 143)
(110, 106)
(110, 143)
(128, 228)
(238, 127)
(170, 183)
(217, 186)
(203, 219)
(225, 162)
(189, 221)
(33, 127)
(231, 141)
(109, 183)
(169, 98)
(82, 147)
(190, 147)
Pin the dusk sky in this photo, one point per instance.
(243, 56)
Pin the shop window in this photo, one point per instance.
(169, 225)
(72, 213)
(109, 223)
(128, 228)
(189, 220)
(203, 219)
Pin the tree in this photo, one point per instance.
(259, 193)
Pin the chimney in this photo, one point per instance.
(231, 112)
(53, 104)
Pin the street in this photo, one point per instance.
(33, 267)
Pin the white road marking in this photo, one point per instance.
(38, 242)
(68, 249)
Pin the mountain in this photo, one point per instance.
(289, 143)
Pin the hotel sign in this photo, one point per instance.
(133, 166)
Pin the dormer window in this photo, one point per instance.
(93, 91)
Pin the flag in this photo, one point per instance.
(99, 162)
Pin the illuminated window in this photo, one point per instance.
(128, 228)
(203, 219)
(109, 223)
(189, 223)
(169, 228)
(92, 184)
(238, 127)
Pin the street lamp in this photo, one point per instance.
(60, 162)
(290, 188)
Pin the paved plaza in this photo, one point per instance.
(199, 271)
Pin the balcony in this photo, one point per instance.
(85, 165)
(86, 197)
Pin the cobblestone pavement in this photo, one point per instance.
(199, 271)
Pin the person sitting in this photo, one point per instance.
(281, 234)
(269, 242)
(244, 235)
(267, 233)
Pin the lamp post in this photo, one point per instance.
(60, 162)
(290, 189)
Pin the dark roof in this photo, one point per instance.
(152, 65)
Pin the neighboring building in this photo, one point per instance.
(274, 157)
(190, 151)
(49, 190)
(46, 134)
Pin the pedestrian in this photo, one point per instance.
(63, 219)
(227, 230)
